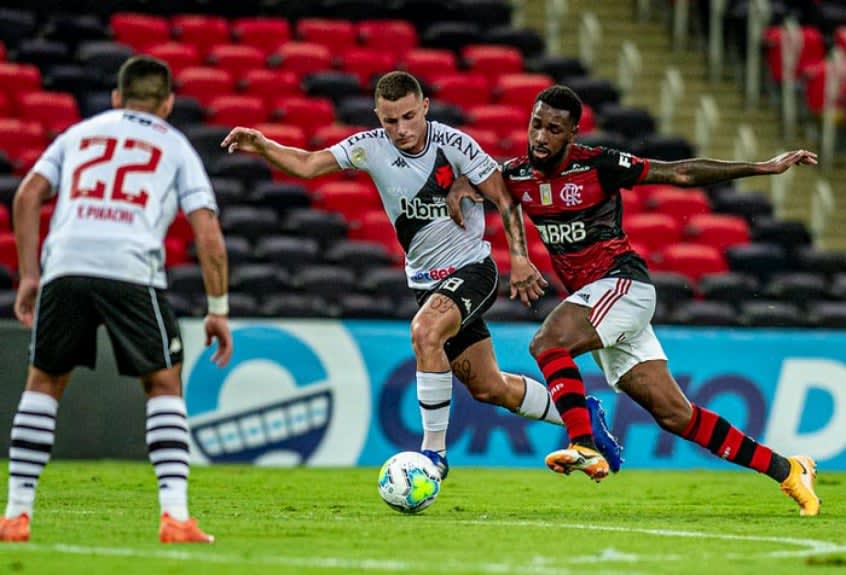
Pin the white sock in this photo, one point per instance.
(434, 395)
(167, 446)
(538, 404)
(33, 434)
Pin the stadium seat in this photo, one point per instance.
(55, 111)
(362, 256)
(249, 222)
(423, 13)
(366, 63)
(427, 63)
(395, 37)
(706, 313)
(270, 84)
(176, 252)
(186, 280)
(73, 79)
(236, 110)
(265, 33)
(295, 305)
(603, 139)
(206, 140)
(680, 204)
(375, 226)
(289, 252)
(357, 111)
(797, 287)
(303, 57)
(812, 51)
(763, 313)
(139, 30)
(653, 230)
(201, 30)
(326, 136)
(5, 219)
(827, 314)
(17, 135)
(331, 84)
(730, 287)
(508, 310)
(336, 35)
(759, 259)
(497, 118)
(629, 122)
(662, 147)
(286, 134)
(243, 305)
(451, 35)
(595, 92)
(816, 260)
(236, 59)
(8, 186)
(348, 198)
(186, 111)
(245, 167)
(180, 229)
(182, 305)
(717, 230)
(327, 281)
(527, 40)
(325, 227)
(7, 278)
(515, 143)
(178, 55)
(26, 159)
(750, 205)
(96, 102)
(487, 140)
(71, 29)
(485, 13)
(632, 204)
(228, 191)
(672, 288)
(388, 283)
(691, 260)
(445, 113)
(520, 90)
(238, 250)
(561, 68)
(16, 25)
(259, 279)
(104, 59)
(789, 234)
(204, 83)
(7, 303)
(837, 288)
(43, 53)
(357, 305)
(307, 113)
(280, 197)
(461, 89)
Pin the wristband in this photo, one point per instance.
(218, 305)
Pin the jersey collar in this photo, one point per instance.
(425, 147)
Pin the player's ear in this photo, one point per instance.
(167, 106)
(116, 103)
(425, 106)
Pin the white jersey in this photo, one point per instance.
(120, 177)
(413, 188)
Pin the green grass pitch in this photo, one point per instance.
(102, 517)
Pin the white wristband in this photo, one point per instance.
(218, 305)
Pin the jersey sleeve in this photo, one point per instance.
(351, 156)
(620, 170)
(193, 187)
(50, 163)
(470, 159)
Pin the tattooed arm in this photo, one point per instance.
(704, 171)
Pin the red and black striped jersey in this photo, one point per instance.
(578, 212)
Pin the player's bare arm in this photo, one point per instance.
(32, 192)
(295, 161)
(704, 171)
(526, 281)
(211, 252)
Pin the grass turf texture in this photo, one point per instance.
(101, 517)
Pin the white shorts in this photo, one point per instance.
(621, 312)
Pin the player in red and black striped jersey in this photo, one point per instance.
(572, 195)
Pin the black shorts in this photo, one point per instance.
(140, 323)
(473, 288)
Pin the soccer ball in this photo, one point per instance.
(409, 482)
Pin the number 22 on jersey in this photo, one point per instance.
(117, 191)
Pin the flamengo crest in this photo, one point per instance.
(571, 194)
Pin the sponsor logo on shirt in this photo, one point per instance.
(564, 233)
(575, 169)
(571, 194)
(434, 274)
(415, 209)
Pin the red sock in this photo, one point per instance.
(721, 438)
(568, 392)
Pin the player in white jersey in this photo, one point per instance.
(119, 177)
(413, 162)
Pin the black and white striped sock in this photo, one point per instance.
(33, 434)
(167, 446)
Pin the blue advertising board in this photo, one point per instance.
(328, 393)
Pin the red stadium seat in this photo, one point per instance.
(427, 63)
(487, 140)
(394, 36)
(55, 111)
(463, 90)
(178, 55)
(329, 135)
(691, 260)
(652, 230)
(717, 230)
(266, 34)
(367, 63)
(307, 113)
(813, 50)
(502, 257)
(176, 252)
(540, 257)
(285, 134)
(270, 84)
(25, 160)
(632, 203)
(500, 119)
(814, 83)
(515, 143)
(337, 35)
(304, 57)
(236, 110)
(681, 204)
(139, 30)
(17, 135)
(204, 83)
(5, 219)
(492, 60)
(587, 123)
(520, 89)
(6, 109)
(641, 249)
(375, 226)
(15, 78)
(181, 228)
(2, 52)
(203, 31)
(352, 199)
(8, 251)
(236, 59)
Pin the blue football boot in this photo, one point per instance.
(605, 441)
(439, 460)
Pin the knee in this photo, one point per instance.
(673, 418)
(488, 392)
(425, 339)
(542, 341)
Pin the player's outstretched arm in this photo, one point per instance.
(704, 171)
(527, 283)
(31, 193)
(211, 251)
(295, 161)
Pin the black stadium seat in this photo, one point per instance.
(712, 313)
(281, 197)
(389, 282)
(559, 67)
(505, 309)
(259, 280)
(359, 255)
(527, 40)
(770, 313)
(206, 140)
(238, 250)
(790, 234)
(604, 139)
(815, 260)
(331, 84)
(451, 35)
(243, 305)
(295, 305)
(358, 305)
(750, 205)
(729, 287)
(290, 252)
(43, 53)
(662, 147)
(15, 26)
(70, 78)
(187, 111)
(631, 122)
(357, 111)
(671, 288)
(828, 314)
(250, 222)
(7, 304)
(325, 227)
(71, 29)
(797, 287)
(595, 92)
(445, 113)
(327, 281)
(250, 169)
(485, 13)
(759, 259)
(104, 59)
(227, 191)
(186, 280)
